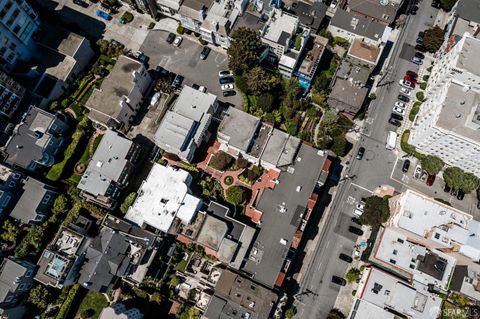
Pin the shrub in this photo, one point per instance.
(180, 29)
(372, 96)
(67, 303)
(414, 111)
(65, 103)
(426, 76)
(420, 96)
(407, 148)
(235, 195)
(339, 145)
(376, 211)
(221, 161)
(56, 171)
(265, 102)
(423, 86)
(128, 202)
(353, 275)
(240, 163)
(228, 180)
(429, 69)
(127, 17)
(298, 41)
(432, 164)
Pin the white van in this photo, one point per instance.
(391, 140)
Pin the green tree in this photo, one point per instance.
(190, 313)
(339, 145)
(329, 118)
(235, 195)
(433, 39)
(432, 164)
(241, 84)
(128, 202)
(60, 205)
(335, 314)
(87, 313)
(9, 232)
(245, 50)
(353, 275)
(260, 81)
(32, 243)
(211, 188)
(40, 297)
(174, 281)
(265, 102)
(447, 5)
(453, 177)
(376, 211)
(163, 85)
(221, 161)
(289, 313)
(469, 182)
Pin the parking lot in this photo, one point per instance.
(185, 60)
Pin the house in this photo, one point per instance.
(144, 6)
(348, 90)
(282, 214)
(185, 126)
(308, 67)
(169, 7)
(464, 17)
(11, 95)
(59, 264)
(193, 12)
(119, 311)
(120, 251)
(37, 141)
(242, 134)
(383, 296)
(383, 12)
(24, 198)
(16, 278)
(466, 281)
(364, 52)
(119, 98)
(163, 197)
(311, 15)
(235, 294)
(109, 170)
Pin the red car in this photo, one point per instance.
(411, 79)
(412, 74)
(430, 180)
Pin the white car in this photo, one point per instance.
(400, 104)
(359, 209)
(155, 99)
(202, 89)
(405, 91)
(177, 41)
(418, 171)
(399, 110)
(406, 84)
(227, 87)
(221, 74)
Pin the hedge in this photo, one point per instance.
(406, 147)
(56, 171)
(68, 302)
(414, 111)
(425, 78)
(423, 86)
(420, 96)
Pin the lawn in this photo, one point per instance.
(182, 265)
(93, 300)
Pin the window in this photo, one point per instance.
(437, 236)
(46, 199)
(29, 273)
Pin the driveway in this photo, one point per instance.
(185, 60)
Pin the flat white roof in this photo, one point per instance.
(163, 196)
(279, 23)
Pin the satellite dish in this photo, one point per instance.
(384, 2)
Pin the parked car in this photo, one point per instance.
(403, 98)
(360, 152)
(418, 172)
(407, 84)
(419, 55)
(229, 93)
(405, 91)
(356, 221)
(460, 195)
(395, 122)
(447, 188)
(345, 258)
(225, 73)
(410, 79)
(81, 3)
(420, 47)
(406, 166)
(195, 86)
(430, 180)
(204, 53)
(155, 99)
(140, 56)
(227, 87)
(396, 116)
(398, 110)
(103, 15)
(454, 192)
(417, 60)
(411, 74)
(355, 230)
(177, 41)
(226, 80)
(400, 104)
(358, 211)
(339, 280)
(424, 176)
(170, 38)
(177, 82)
(413, 10)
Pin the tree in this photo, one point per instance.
(289, 313)
(329, 118)
(447, 5)
(87, 313)
(235, 195)
(221, 161)
(469, 182)
(453, 177)
(211, 188)
(241, 162)
(265, 102)
(339, 145)
(242, 84)
(9, 232)
(433, 39)
(335, 314)
(40, 297)
(128, 202)
(245, 50)
(432, 164)
(260, 81)
(353, 275)
(163, 85)
(60, 205)
(376, 211)
(190, 313)
(32, 243)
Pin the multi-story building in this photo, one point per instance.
(144, 6)
(307, 69)
(18, 23)
(464, 17)
(119, 311)
(193, 13)
(11, 95)
(448, 123)
(109, 170)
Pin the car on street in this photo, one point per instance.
(345, 258)
(170, 38)
(398, 110)
(396, 116)
(177, 41)
(225, 73)
(424, 176)
(407, 84)
(406, 166)
(177, 82)
(360, 153)
(395, 122)
(155, 99)
(403, 98)
(103, 15)
(447, 188)
(418, 172)
(225, 80)
(417, 60)
(460, 195)
(405, 91)
(81, 3)
(400, 104)
(204, 53)
(430, 180)
(227, 87)
(229, 93)
(419, 55)
(339, 280)
(355, 230)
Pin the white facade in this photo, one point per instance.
(18, 22)
(448, 124)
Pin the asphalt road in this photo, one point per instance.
(372, 171)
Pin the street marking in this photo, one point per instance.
(405, 178)
(361, 187)
(319, 266)
(351, 200)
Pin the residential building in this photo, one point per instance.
(242, 297)
(383, 296)
(169, 7)
(185, 126)
(364, 52)
(349, 26)
(193, 12)
(285, 39)
(311, 15)
(144, 6)
(110, 169)
(448, 123)
(24, 198)
(464, 17)
(120, 96)
(59, 264)
(119, 311)
(242, 134)
(11, 95)
(164, 196)
(16, 278)
(282, 214)
(120, 251)
(308, 67)
(466, 281)
(18, 24)
(383, 12)
(348, 89)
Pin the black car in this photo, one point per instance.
(177, 82)
(460, 195)
(229, 93)
(81, 3)
(396, 116)
(355, 230)
(116, 43)
(419, 55)
(360, 153)
(204, 53)
(395, 122)
(403, 98)
(406, 166)
(447, 188)
(195, 86)
(226, 80)
(420, 47)
(339, 280)
(413, 10)
(170, 38)
(346, 258)
(356, 221)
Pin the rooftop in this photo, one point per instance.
(190, 8)
(60, 39)
(468, 58)
(238, 128)
(358, 25)
(310, 62)
(164, 195)
(364, 51)
(10, 270)
(280, 28)
(468, 10)
(373, 9)
(310, 15)
(249, 20)
(281, 148)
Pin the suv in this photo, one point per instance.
(395, 122)
(355, 230)
(345, 258)
(225, 80)
(406, 166)
(360, 153)
(170, 38)
(204, 53)
(339, 280)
